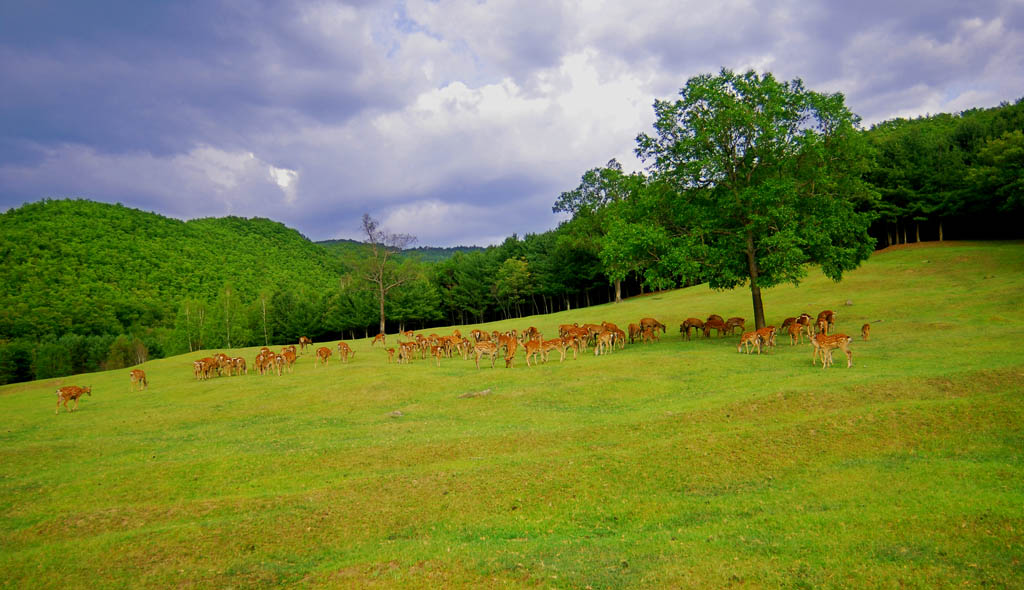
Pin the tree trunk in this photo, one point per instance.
(227, 315)
(188, 331)
(266, 340)
(940, 230)
(917, 231)
(755, 289)
(618, 291)
(381, 309)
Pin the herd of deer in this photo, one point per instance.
(603, 338)
(818, 332)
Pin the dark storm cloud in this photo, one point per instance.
(459, 122)
(162, 77)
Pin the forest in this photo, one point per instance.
(88, 286)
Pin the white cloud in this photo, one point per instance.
(462, 121)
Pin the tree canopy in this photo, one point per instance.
(766, 178)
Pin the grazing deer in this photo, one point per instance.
(767, 335)
(634, 331)
(714, 317)
(733, 323)
(715, 324)
(323, 356)
(345, 351)
(649, 335)
(865, 332)
(391, 355)
(510, 353)
(652, 324)
(694, 323)
(239, 364)
(304, 342)
(748, 341)
(138, 377)
(71, 393)
(829, 317)
(382, 338)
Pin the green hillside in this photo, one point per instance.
(668, 465)
(89, 268)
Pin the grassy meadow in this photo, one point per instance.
(671, 465)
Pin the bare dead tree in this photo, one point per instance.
(382, 269)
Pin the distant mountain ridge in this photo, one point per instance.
(425, 253)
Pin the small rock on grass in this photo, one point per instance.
(475, 394)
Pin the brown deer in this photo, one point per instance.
(323, 355)
(534, 350)
(510, 353)
(605, 343)
(71, 393)
(694, 323)
(733, 323)
(652, 324)
(829, 317)
(649, 335)
(865, 332)
(382, 338)
(487, 348)
(547, 346)
(715, 324)
(304, 342)
(138, 377)
(767, 335)
(796, 333)
(289, 358)
(345, 351)
(748, 341)
(824, 344)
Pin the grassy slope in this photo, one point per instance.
(678, 464)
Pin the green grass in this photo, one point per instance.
(678, 464)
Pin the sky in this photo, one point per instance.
(459, 122)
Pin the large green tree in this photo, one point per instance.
(767, 179)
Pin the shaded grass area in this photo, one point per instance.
(678, 464)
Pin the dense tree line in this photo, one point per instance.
(88, 286)
(949, 176)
